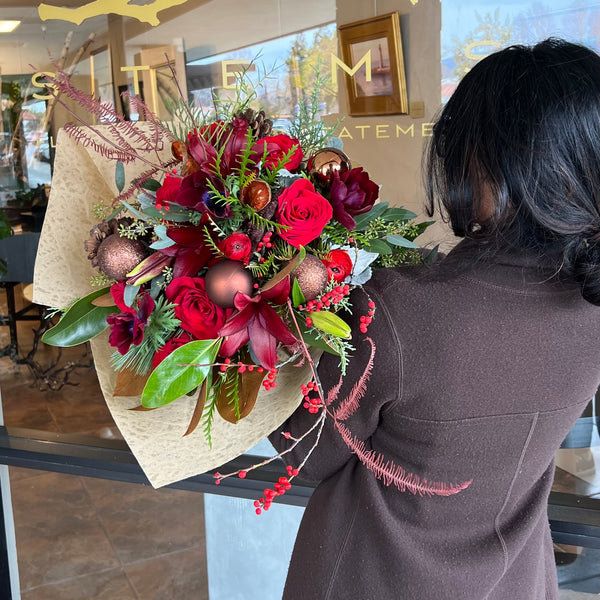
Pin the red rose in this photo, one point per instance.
(236, 246)
(339, 265)
(305, 212)
(167, 192)
(167, 348)
(196, 311)
(277, 146)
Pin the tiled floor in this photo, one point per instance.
(80, 538)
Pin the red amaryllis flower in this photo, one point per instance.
(258, 323)
(167, 192)
(236, 246)
(127, 328)
(276, 147)
(167, 348)
(339, 265)
(352, 193)
(198, 314)
(304, 211)
(190, 250)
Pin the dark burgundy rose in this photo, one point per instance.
(127, 328)
(352, 193)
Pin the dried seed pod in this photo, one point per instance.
(257, 194)
(178, 150)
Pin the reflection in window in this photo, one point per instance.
(471, 31)
(291, 64)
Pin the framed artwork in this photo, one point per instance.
(376, 83)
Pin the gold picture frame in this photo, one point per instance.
(375, 80)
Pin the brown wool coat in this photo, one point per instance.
(477, 376)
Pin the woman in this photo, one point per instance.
(483, 362)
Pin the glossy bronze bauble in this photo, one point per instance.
(324, 163)
(257, 194)
(225, 279)
(117, 255)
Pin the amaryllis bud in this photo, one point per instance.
(236, 246)
(148, 269)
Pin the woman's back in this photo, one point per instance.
(476, 378)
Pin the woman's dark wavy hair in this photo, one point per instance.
(514, 160)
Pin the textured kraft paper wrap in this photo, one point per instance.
(82, 178)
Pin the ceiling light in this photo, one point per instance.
(8, 26)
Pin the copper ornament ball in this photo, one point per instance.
(118, 255)
(225, 279)
(323, 164)
(311, 275)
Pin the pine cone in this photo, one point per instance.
(259, 124)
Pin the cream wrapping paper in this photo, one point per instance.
(83, 178)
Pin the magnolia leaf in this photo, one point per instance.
(80, 323)
(120, 176)
(129, 383)
(249, 385)
(297, 295)
(179, 373)
(198, 409)
(291, 266)
(130, 293)
(363, 220)
(151, 184)
(398, 240)
(104, 300)
(379, 246)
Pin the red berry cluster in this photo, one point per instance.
(326, 300)
(265, 242)
(312, 404)
(365, 321)
(280, 488)
(269, 383)
(241, 367)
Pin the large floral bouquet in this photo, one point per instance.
(231, 258)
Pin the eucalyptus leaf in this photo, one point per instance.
(120, 176)
(379, 246)
(398, 240)
(151, 184)
(160, 244)
(175, 216)
(136, 212)
(146, 200)
(80, 323)
(398, 214)
(130, 293)
(362, 221)
(432, 255)
(178, 374)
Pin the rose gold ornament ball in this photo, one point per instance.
(311, 275)
(118, 255)
(225, 279)
(323, 163)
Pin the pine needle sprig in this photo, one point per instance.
(162, 324)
